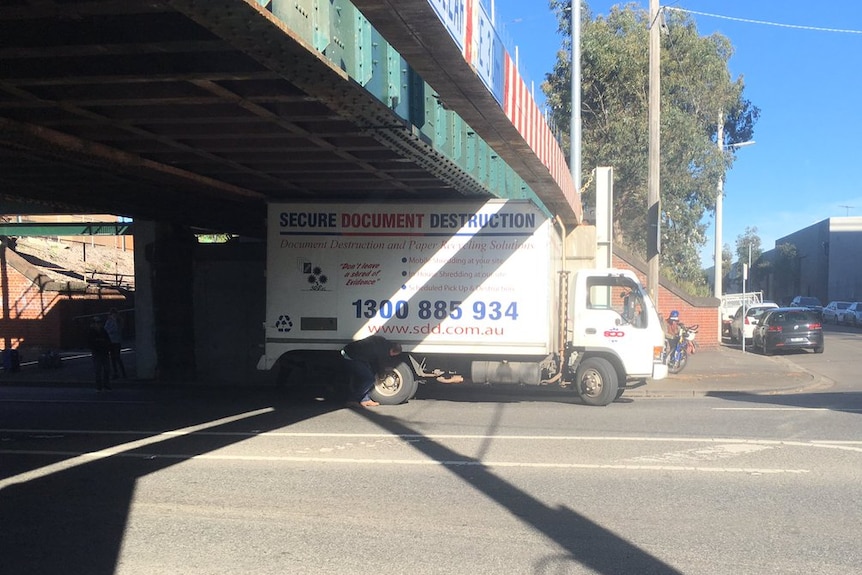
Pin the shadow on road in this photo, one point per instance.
(65, 503)
(65, 507)
(583, 540)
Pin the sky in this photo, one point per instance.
(802, 66)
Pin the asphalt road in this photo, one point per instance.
(149, 481)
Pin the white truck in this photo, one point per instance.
(730, 302)
(473, 286)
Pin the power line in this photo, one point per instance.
(764, 22)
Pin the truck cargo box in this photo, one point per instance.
(473, 277)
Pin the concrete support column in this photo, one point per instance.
(164, 301)
(145, 346)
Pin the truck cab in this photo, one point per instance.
(615, 327)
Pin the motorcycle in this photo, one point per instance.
(683, 345)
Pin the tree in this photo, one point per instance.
(748, 248)
(726, 262)
(696, 92)
(787, 268)
(726, 256)
(748, 251)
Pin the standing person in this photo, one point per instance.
(114, 329)
(671, 331)
(365, 359)
(100, 345)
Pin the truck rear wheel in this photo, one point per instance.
(596, 381)
(396, 386)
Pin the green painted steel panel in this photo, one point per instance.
(344, 36)
(388, 78)
(351, 46)
(310, 19)
(66, 229)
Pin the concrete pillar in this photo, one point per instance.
(145, 345)
(166, 280)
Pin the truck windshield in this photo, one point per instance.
(619, 294)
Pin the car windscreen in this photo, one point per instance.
(757, 311)
(794, 317)
(809, 301)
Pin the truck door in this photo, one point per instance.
(615, 316)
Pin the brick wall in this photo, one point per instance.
(38, 314)
(693, 310)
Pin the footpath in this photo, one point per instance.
(722, 370)
(727, 369)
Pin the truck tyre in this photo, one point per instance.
(396, 386)
(596, 381)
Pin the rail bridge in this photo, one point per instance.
(193, 114)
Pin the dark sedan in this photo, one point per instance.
(789, 328)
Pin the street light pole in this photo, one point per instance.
(719, 200)
(654, 155)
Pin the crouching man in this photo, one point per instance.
(366, 358)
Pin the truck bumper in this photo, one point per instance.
(264, 363)
(659, 367)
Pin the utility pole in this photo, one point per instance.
(575, 152)
(653, 182)
(719, 199)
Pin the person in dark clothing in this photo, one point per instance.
(100, 348)
(365, 359)
(114, 329)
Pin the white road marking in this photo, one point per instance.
(836, 408)
(80, 458)
(99, 401)
(716, 448)
(412, 437)
(708, 453)
(429, 462)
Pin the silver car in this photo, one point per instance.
(833, 310)
(740, 326)
(852, 315)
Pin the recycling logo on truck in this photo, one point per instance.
(283, 324)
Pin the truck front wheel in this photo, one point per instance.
(597, 381)
(396, 386)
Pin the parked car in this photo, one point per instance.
(852, 315)
(832, 311)
(745, 325)
(806, 301)
(789, 328)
